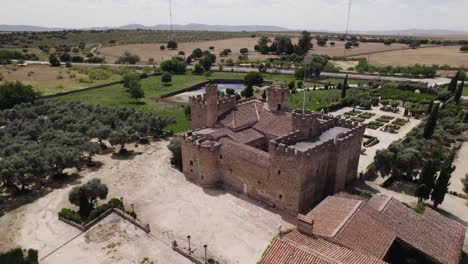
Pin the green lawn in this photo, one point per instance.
(465, 90)
(116, 95)
(314, 100)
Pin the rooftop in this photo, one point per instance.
(328, 135)
(370, 228)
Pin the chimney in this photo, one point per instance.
(305, 225)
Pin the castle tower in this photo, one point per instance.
(211, 93)
(278, 98)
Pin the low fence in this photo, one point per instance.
(186, 254)
(87, 226)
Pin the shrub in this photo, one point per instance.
(95, 213)
(162, 47)
(365, 194)
(171, 44)
(244, 50)
(212, 48)
(166, 77)
(115, 203)
(198, 69)
(70, 215)
(174, 66)
(33, 256)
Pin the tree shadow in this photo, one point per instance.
(130, 155)
(139, 103)
(9, 202)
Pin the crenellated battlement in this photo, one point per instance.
(290, 139)
(200, 142)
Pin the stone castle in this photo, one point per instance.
(291, 159)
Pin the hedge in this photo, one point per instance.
(70, 215)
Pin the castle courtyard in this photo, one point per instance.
(236, 229)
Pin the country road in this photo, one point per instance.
(357, 76)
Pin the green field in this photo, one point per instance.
(465, 90)
(116, 95)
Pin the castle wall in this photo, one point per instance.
(307, 123)
(278, 99)
(199, 159)
(198, 112)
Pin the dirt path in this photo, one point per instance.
(461, 163)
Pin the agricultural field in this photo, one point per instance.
(50, 80)
(152, 50)
(439, 55)
(107, 37)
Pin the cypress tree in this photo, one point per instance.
(443, 181)
(459, 92)
(344, 87)
(426, 178)
(431, 122)
(453, 84)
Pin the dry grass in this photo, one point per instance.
(146, 51)
(428, 56)
(46, 79)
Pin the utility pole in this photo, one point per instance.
(170, 15)
(347, 24)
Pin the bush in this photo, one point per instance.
(198, 69)
(70, 215)
(171, 44)
(95, 213)
(12, 257)
(365, 194)
(173, 66)
(115, 203)
(244, 50)
(33, 256)
(128, 58)
(166, 77)
(12, 93)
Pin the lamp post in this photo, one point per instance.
(188, 238)
(205, 246)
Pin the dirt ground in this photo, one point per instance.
(385, 138)
(423, 56)
(146, 51)
(236, 229)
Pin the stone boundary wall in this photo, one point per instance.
(86, 227)
(88, 88)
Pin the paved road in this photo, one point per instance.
(429, 81)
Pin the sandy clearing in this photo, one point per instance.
(236, 229)
(424, 56)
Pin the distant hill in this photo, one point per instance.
(194, 27)
(412, 32)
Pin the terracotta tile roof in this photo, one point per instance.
(4, 247)
(254, 114)
(365, 233)
(245, 152)
(243, 115)
(371, 227)
(430, 232)
(214, 133)
(298, 248)
(275, 125)
(246, 136)
(331, 214)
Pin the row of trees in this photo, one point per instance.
(42, 139)
(414, 71)
(457, 89)
(283, 45)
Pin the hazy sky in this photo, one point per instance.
(295, 14)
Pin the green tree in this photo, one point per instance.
(454, 83)
(175, 148)
(431, 122)
(253, 79)
(121, 137)
(244, 51)
(86, 196)
(263, 45)
(197, 53)
(305, 42)
(171, 44)
(344, 87)
(173, 66)
(427, 178)
(12, 93)
(128, 58)
(464, 48)
(443, 181)
(54, 61)
(248, 91)
(127, 78)
(166, 78)
(198, 69)
(188, 112)
(264, 95)
(230, 91)
(136, 92)
(459, 92)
